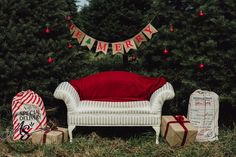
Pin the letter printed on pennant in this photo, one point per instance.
(129, 44)
(78, 34)
(72, 28)
(117, 48)
(139, 38)
(149, 30)
(102, 47)
(88, 41)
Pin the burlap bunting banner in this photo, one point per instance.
(78, 34)
(117, 47)
(129, 44)
(149, 30)
(72, 28)
(139, 38)
(88, 41)
(102, 47)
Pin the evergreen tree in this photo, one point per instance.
(34, 52)
(200, 39)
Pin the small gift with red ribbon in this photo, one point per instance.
(177, 130)
(50, 135)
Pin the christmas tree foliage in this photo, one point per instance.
(34, 52)
(195, 47)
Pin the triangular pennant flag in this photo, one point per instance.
(102, 47)
(78, 34)
(139, 38)
(88, 41)
(129, 44)
(149, 30)
(117, 48)
(72, 28)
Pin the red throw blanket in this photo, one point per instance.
(117, 86)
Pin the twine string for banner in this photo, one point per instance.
(178, 119)
(154, 16)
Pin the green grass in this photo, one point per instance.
(97, 144)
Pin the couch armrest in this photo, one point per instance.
(158, 98)
(68, 94)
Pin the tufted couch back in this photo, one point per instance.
(117, 86)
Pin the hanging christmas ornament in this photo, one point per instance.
(166, 59)
(134, 58)
(201, 13)
(68, 17)
(201, 66)
(165, 51)
(50, 60)
(171, 28)
(47, 30)
(69, 45)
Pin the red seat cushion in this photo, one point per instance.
(117, 86)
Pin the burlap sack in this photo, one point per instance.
(203, 113)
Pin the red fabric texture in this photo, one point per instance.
(117, 86)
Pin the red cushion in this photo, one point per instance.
(116, 86)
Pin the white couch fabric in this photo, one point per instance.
(99, 113)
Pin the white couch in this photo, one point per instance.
(101, 113)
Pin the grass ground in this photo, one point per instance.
(122, 142)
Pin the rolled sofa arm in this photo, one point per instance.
(158, 98)
(68, 94)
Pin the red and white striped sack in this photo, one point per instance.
(28, 113)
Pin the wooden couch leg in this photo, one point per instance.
(70, 129)
(157, 130)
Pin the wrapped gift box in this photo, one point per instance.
(50, 136)
(177, 130)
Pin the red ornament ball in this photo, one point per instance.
(134, 58)
(171, 28)
(47, 30)
(201, 66)
(69, 45)
(50, 60)
(68, 18)
(166, 59)
(165, 51)
(201, 13)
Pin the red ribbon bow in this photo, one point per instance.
(178, 119)
(51, 127)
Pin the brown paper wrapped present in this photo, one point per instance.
(56, 136)
(177, 130)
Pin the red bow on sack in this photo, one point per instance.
(178, 119)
